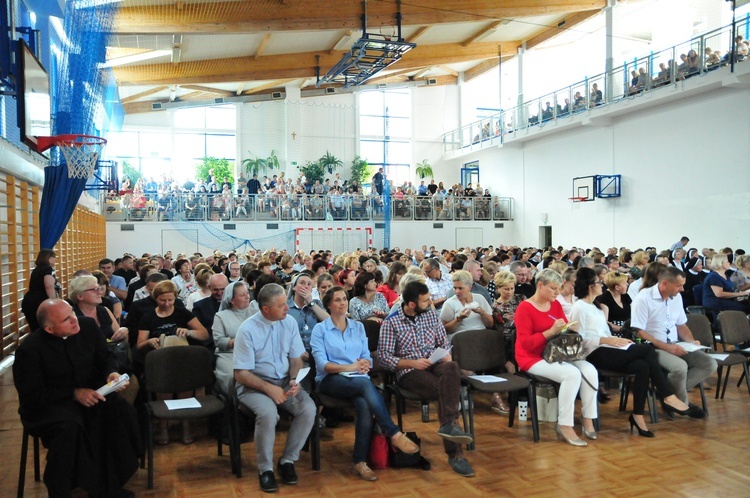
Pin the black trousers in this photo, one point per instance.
(639, 360)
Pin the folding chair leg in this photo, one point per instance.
(726, 380)
(315, 446)
(399, 411)
(150, 445)
(652, 407)
(534, 413)
(470, 423)
(718, 380)
(703, 398)
(22, 468)
(37, 473)
(746, 376)
(512, 402)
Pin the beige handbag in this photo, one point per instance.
(167, 341)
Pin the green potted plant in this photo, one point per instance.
(313, 170)
(330, 162)
(223, 170)
(424, 169)
(361, 171)
(258, 165)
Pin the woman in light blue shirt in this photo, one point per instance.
(342, 361)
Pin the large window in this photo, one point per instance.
(197, 132)
(385, 132)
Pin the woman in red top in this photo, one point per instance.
(390, 288)
(538, 319)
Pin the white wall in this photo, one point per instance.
(685, 167)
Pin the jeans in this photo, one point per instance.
(368, 404)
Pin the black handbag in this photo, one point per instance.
(121, 352)
(567, 346)
(402, 460)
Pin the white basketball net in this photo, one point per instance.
(81, 157)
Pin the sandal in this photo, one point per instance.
(499, 406)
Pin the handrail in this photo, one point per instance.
(613, 86)
(179, 207)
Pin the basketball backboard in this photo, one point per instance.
(584, 188)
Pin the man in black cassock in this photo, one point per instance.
(92, 441)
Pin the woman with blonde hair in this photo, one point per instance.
(201, 279)
(504, 312)
(719, 293)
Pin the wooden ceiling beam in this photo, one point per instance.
(260, 16)
(482, 33)
(300, 65)
(419, 32)
(341, 40)
(205, 89)
(266, 86)
(483, 67)
(262, 46)
(448, 70)
(137, 96)
(568, 22)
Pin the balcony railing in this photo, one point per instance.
(200, 207)
(652, 71)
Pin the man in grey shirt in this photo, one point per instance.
(267, 358)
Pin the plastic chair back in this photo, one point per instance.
(734, 326)
(178, 369)
(701, 329)
(479, 350)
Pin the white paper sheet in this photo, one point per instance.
(487, 379)
(181, 404)
(439, 354)
(626, 346)
(352, 374)
(690, 347)
(302, 374)
(718, 356)
(114, 385)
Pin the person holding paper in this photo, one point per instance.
(614, 353)
(465, 310)
(342, 361)
(267, 357)
(93, 441)
(659, 318)
(539, 319)
(408, 337)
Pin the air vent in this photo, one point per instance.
(277, 95)
(330, 90)
(382, 85)
(431, 81)
(157, 106)
(499, 225)
(230, 226)
(220, 100)
(272, 226)
(127, 227)
(437, 225)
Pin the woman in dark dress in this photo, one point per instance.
(719, 292)
(42, 285)
(165, 319)
(616, 301)
(694, 275)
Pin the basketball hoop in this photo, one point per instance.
(577, 199)
(81, 152)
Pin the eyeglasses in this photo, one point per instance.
(95, 289)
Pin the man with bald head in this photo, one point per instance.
(92, 441)
(473, 267)
(205, 310)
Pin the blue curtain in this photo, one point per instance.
(59, 199)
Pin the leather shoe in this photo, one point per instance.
(268, 482)
(288, 475)
(695, 411)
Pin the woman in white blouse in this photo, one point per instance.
(621, 355)
(566, 298)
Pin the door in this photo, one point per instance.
(470, 174)
(545, 236)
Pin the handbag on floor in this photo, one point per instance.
(400, 459)
(377, 456)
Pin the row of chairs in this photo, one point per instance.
(482, 351)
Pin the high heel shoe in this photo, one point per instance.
(572, 442)
(641, 432)
(589, 435)
(692, 411)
